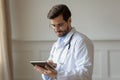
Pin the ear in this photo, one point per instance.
(69, 20)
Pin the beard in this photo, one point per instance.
(62, 33)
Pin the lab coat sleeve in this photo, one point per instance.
(83, 56)
(45, 77)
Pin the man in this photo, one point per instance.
(72, 54)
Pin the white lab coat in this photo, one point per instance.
(74, 57)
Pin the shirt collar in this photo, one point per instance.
(68, 36)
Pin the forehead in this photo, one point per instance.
(57, 20)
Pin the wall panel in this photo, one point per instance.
(106, 59)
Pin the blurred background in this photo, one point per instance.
(31, 38)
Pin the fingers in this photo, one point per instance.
(52, 63)
(49, 68)
(48, 71)
(40, 69)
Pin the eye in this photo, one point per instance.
(60, 24)
(53, 25)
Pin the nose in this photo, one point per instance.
(57, 28)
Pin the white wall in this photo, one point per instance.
(32, 38)
(98, 19)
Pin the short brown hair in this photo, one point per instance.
(59, 9)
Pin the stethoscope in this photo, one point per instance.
(67, 51)
(69, 43)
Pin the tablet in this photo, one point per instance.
(41, 64)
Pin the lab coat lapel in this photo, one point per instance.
(66, 46)
(59, 48)
(64, 55)
(64, 51)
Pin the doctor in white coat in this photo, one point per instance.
(72, 54)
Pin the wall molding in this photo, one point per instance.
(106, 56)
